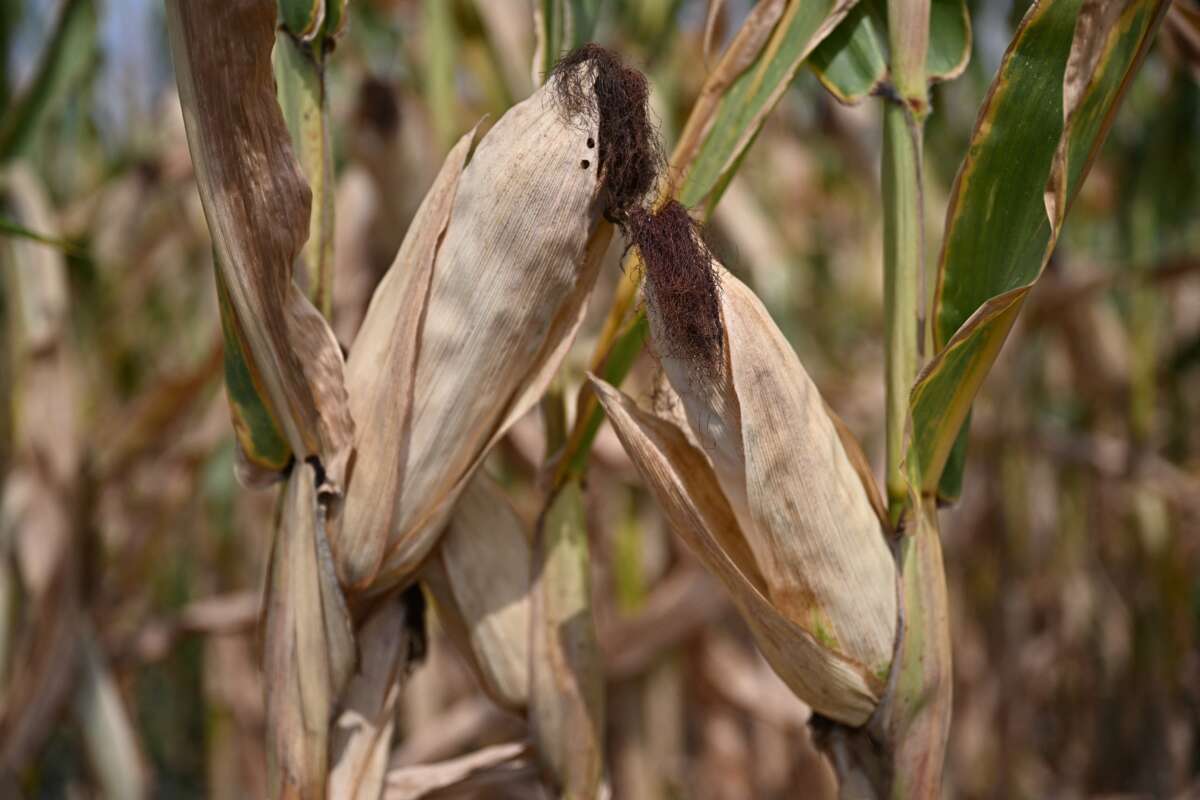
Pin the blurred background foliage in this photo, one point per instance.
(1073, 557)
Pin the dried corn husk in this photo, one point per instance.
(390, 641)
(468, 326)
(762, 489)
(309, 643)
(479, 575)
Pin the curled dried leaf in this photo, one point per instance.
(257, 203)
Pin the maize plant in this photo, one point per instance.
(399, 337)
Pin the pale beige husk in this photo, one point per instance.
(479, 576)
(767, 495)
(309, 650)
(362, 734)
(468, 326)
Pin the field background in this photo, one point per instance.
(1073, 558)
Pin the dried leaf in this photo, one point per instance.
(566, 703)
(391, 639)
(479, 576)
(309, 643)
(498, 762)
(712, 19)
(38, 498)
(108, 732)
(257, 206)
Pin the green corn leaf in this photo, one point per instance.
(561, 26)
(852, 63)
(262, 441)
(441, 48)
(302, 18)
(566, 680)
(335, 19)
(1045, 117)
(744, 106)
(949, 40)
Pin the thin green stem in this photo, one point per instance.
(903, 282)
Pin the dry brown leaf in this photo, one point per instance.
(109, 737)
(39, 646)
(257, 206)
(712, 20)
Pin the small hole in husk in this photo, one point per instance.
(592, 85)
(585, 163)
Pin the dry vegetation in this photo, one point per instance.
(135, 656)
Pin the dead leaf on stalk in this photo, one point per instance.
(257, 206)
(309, 647)
(479, 576)
(108, 733)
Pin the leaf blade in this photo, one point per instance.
(1005, 213)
